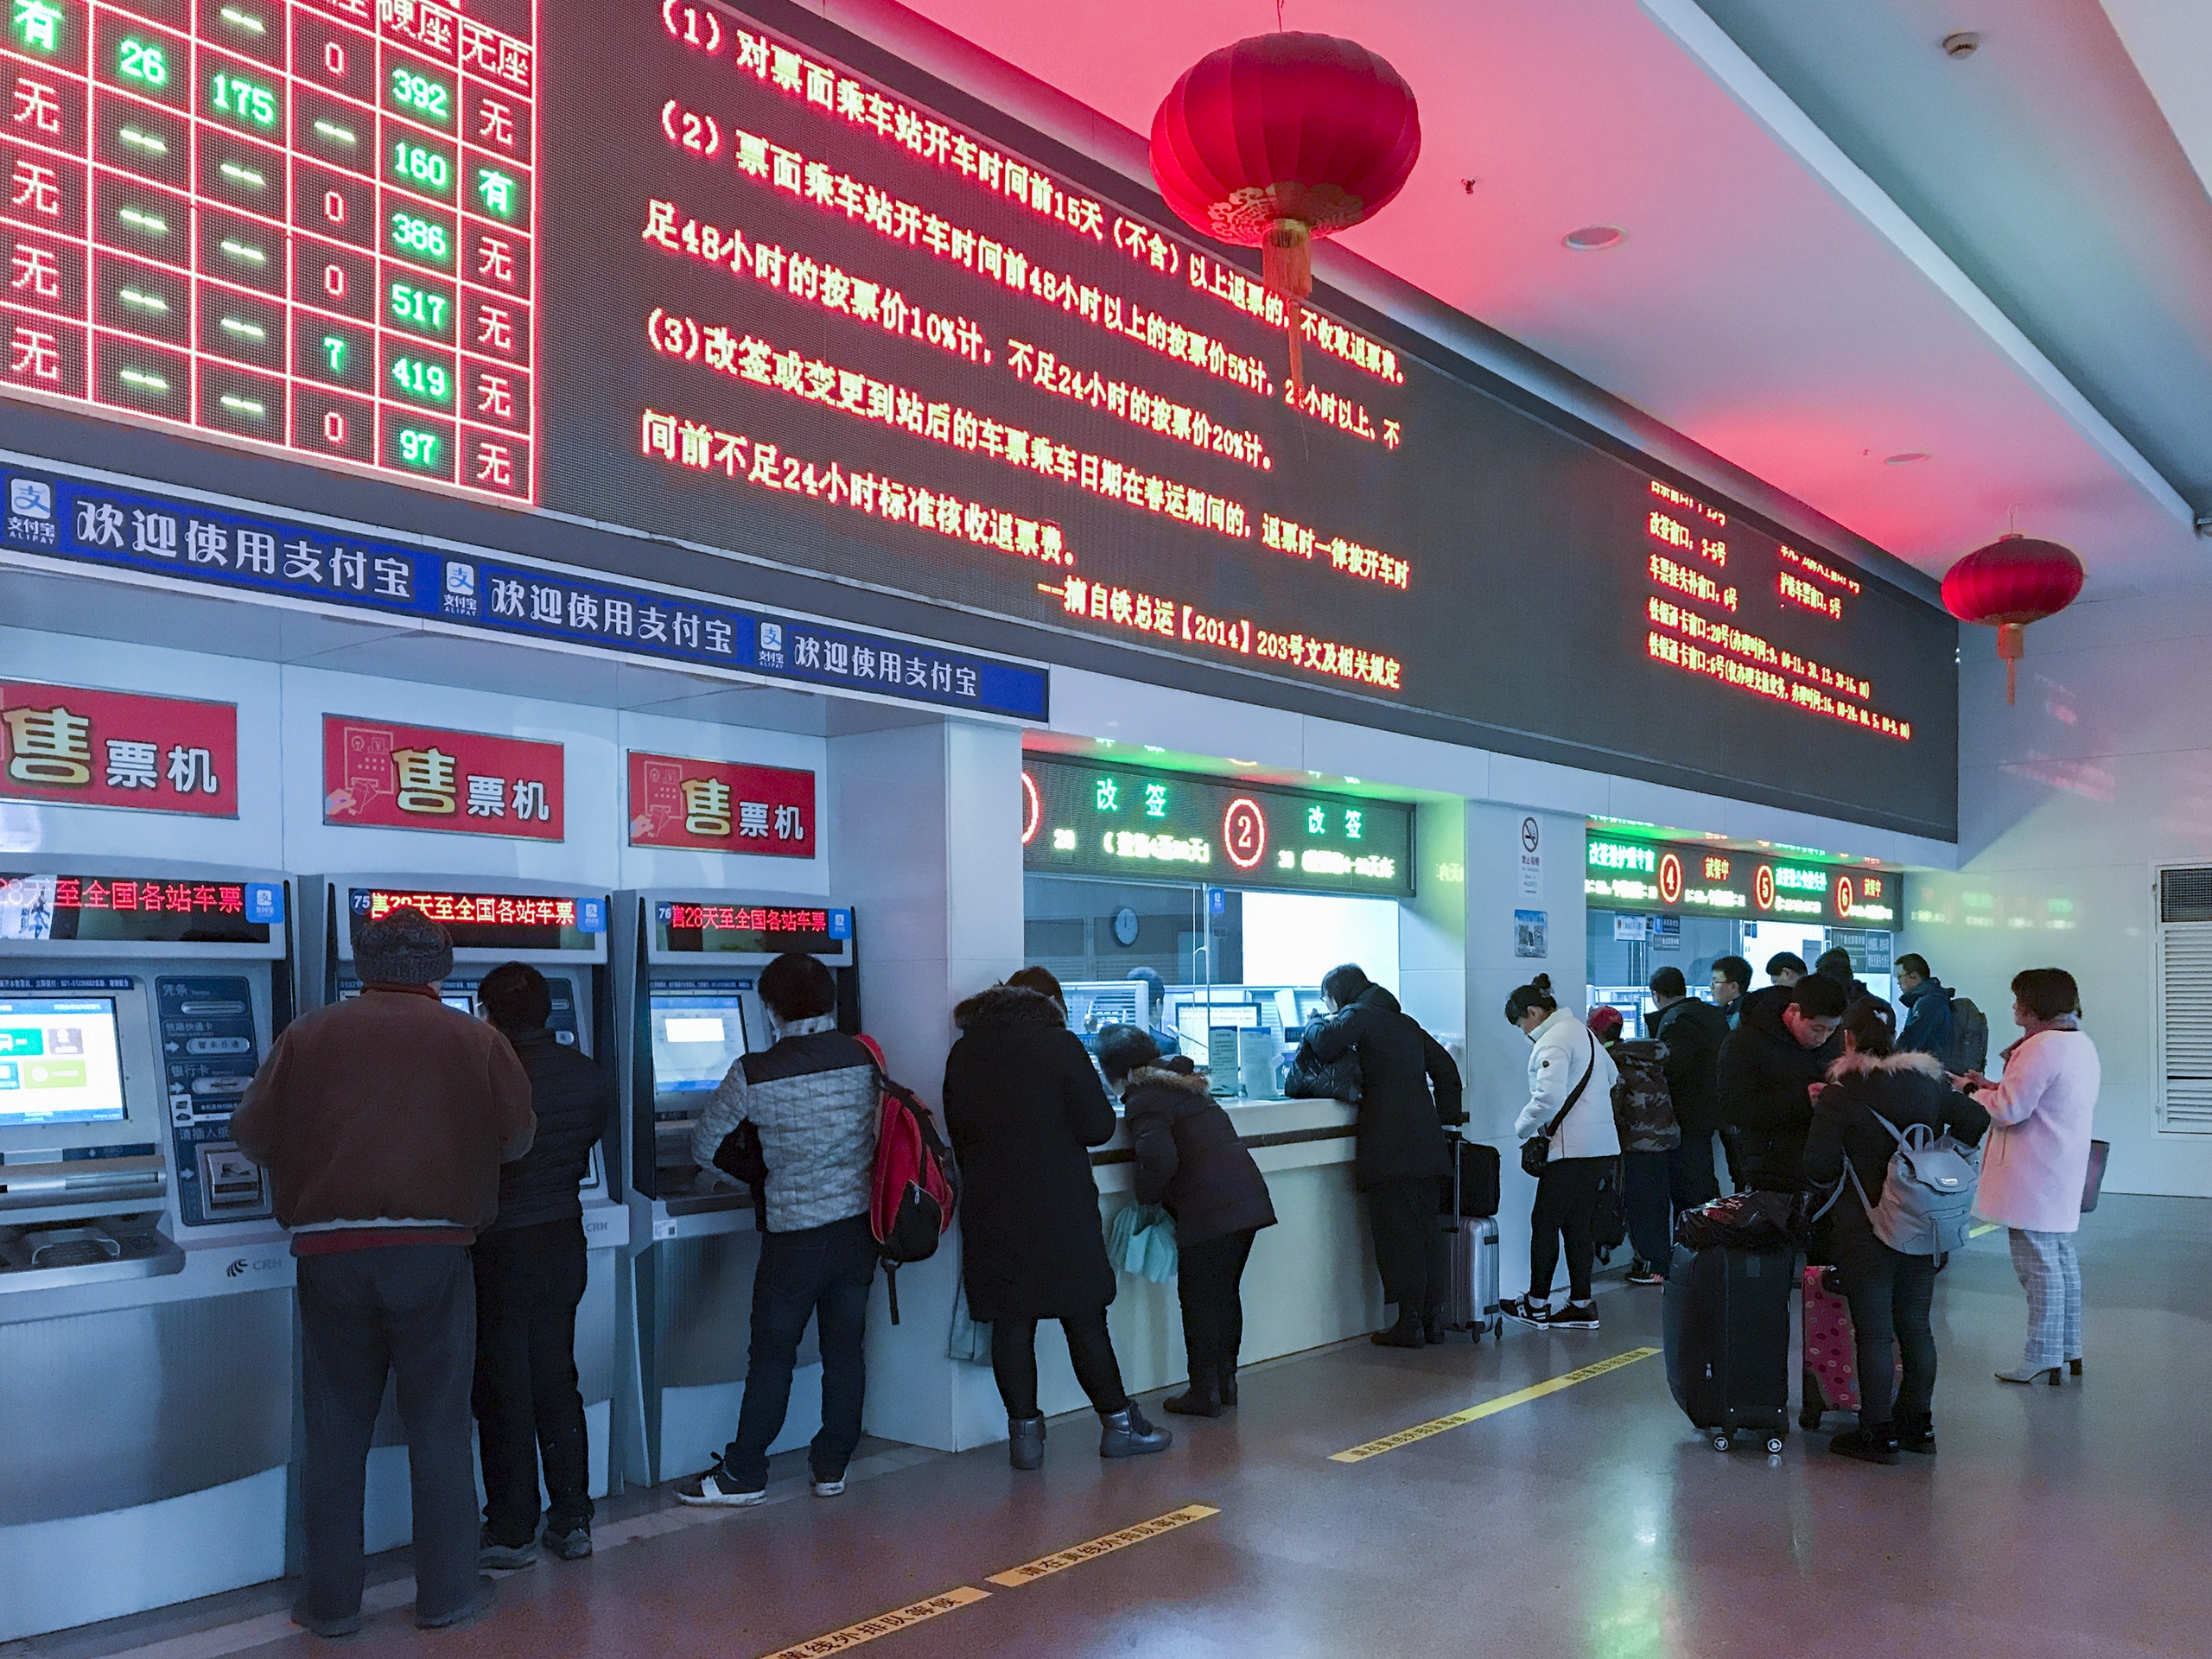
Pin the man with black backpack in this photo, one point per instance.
(804, 1110)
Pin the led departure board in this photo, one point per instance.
(302, 223)
(684, 926)
(847, 320)
(493, 921)
(1162, 826)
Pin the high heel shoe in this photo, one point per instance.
(2040, 1374)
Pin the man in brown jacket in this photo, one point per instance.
(383, 1121)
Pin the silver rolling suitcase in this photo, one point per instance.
(1474, 1307)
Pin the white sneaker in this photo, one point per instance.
(830, 1488)
(716, 1490)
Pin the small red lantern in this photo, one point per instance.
(1279, 139)
(2014, 581)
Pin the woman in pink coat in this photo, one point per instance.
(2036, 1160)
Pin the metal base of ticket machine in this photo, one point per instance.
(686, 967)
(562, 931)
(146, 1328)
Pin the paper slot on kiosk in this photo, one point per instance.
(696, 1010)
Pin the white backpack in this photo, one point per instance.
(1927, 1203)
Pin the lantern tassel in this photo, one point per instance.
(2012, 645)
(1287, 271)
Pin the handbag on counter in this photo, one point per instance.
(1310, 1077)
(1536, 1150)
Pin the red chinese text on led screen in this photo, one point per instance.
(506, 909)
(747, 919)
(306, 225)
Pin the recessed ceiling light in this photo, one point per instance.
(1595, 238)
(1905, 458)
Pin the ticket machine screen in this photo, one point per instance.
(60, 1061)
(697, 1037)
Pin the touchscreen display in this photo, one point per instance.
(59, 1061)
(697, 1037)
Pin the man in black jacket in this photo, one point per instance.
(1693, 1032)
(1767, 1068)
(1402, 1157)
(530, 1277)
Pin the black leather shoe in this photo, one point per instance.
(1225, 1383)
(1125, 1434)
(1916, 1435)
(1867, 1444)
(1408, 1332)
(1201, 1399)
(1025, 1442)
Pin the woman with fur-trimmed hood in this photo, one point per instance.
(1890, 1294)
(1190, 1161)
(1024, 1106)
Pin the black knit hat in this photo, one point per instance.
(402, 947)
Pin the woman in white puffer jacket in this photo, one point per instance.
(1568, 1064)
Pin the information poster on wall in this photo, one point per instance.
(381, 775)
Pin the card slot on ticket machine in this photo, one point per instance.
(140, 1261)
(562, 931)
(688, 967)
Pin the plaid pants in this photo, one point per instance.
(2051, 1272)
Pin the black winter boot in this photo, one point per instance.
(1125, 1434)
(1874, 1444)
(1225, 1382)
(1405, 1333)
(1432, 1326)
(1025, 1442)
(1917, 1432)
(1201, 1399)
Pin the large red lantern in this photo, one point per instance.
(2014, 581)
(1279, 139)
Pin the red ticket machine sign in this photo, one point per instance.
(75, 746)
(720, 806)
(379, 775)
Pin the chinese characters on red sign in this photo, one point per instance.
(380, 775)
(176, 898)
(81, 747)
(303, 223)
(500, 908)
(742, 919)
(720, 806)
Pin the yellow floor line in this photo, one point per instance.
(1061, 1560)
(1488, 1408)
(888, 1623)
(1986, 1227)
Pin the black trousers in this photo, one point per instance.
(1891, 1297)
(1566, 1201)
(1208, 1282)
(1692, 1177)
(408, 1310)
(1646, 1180)
(1014, 1362)
(1413, 1251)
(812, 1272)
(528, 1406)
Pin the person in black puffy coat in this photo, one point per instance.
(1023, 1105)
(529, 1268)
(1402, 1161)
(1767, 1069)
(1190, 1162)
(1890, 1294)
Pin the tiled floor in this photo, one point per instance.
(1591, 1521)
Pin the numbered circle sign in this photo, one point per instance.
(1670, 879)
(1032, 809)
(1244, 832)
(1843, 895)
(1763, 887)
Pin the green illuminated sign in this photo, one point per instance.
(1119, 821)
(1693, 879)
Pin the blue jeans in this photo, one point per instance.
(816, 1273)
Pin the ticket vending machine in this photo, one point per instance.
(687, 968)
(146, 1325)
(562, 931)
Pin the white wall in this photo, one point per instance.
(2068, 799)
(1293, 938)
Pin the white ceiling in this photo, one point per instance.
(1804, 295)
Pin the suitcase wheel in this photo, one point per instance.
(1721, 1442)
(1774, 1446)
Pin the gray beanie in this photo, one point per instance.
(402, 947)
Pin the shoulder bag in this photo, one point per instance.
(1536, 1150)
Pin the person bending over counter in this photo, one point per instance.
(1024, 1106)
(1402, 1159)
(1190, 1162)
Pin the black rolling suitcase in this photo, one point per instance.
(1726, 1334)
